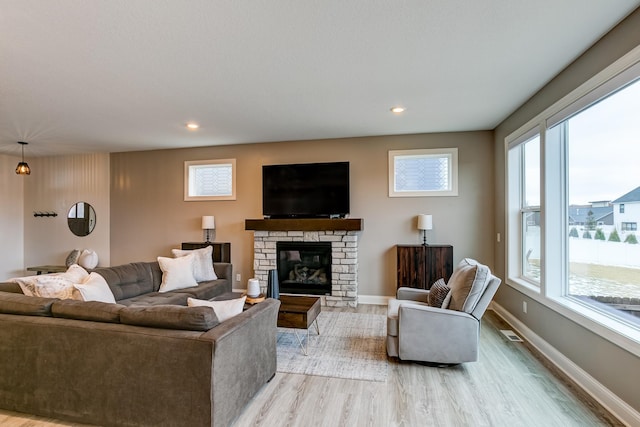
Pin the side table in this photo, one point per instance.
(48, 269)
(298, 312)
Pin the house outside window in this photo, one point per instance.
(629, 226)
(621, 208)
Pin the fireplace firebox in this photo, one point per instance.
(304, 267)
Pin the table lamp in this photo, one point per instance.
(425, 222)
(208, 224)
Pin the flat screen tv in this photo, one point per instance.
(306, 190)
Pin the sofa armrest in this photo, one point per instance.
(10, 287)
(224, 270)
(244, 358)
(412, 294)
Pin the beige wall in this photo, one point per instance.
(606, 362)
(149, 216)
(11, 218)
(55, 184)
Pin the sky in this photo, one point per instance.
(603, 151)
(604, 148)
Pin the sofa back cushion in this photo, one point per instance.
(94, 311)
(170, 317)
(13, 303)
(129, 280)
(468, 282)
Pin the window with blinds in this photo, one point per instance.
(210, 180)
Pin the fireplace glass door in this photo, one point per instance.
(304, 267)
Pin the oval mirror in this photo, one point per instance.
(81, 219)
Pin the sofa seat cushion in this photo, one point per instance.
(12, 303)
(393, 308)
(467, 283)
(156, 298)
(209, 289)
(170, 317)
(94, 311)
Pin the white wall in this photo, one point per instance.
(55, 184)
(150, 215)
(11, 218)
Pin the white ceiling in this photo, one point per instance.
(119, 75)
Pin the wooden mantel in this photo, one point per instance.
(306, 224)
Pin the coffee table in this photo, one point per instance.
(298, 312)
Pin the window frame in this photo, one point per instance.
(451, 154)
(189, 165)
(553, 293)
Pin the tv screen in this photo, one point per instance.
(307, 190)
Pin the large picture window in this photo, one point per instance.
(573, 204)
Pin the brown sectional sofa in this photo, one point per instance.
(146, 361)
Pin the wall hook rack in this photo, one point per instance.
(47, 214)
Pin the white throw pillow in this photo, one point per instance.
(88, 259)
(177, 273)
(202, 263)
(224, 309)
(76, 274)
(95, 288)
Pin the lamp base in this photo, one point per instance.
(424, 238)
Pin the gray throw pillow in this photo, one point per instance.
(438, 292)
(72, 258)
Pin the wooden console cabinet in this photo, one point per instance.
(419, 266)
(221, 251)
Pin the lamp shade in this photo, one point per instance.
(23, 168)
(425, 222)
(208, 223)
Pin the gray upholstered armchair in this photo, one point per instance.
(424, 328)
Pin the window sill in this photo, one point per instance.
(619, 333)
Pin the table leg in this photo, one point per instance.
(305, 348)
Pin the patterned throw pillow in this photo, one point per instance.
(438, 292)
(72, 258)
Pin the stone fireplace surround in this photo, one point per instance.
(343, 235)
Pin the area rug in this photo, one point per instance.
(350, 345)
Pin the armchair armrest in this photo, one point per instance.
(412, 294)
(437, 335)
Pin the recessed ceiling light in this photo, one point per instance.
(397, 110)
(192, 126)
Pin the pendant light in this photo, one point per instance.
(23, 168)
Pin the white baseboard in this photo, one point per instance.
(618, 407)
(373, 299)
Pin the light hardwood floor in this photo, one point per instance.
(509, 386)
